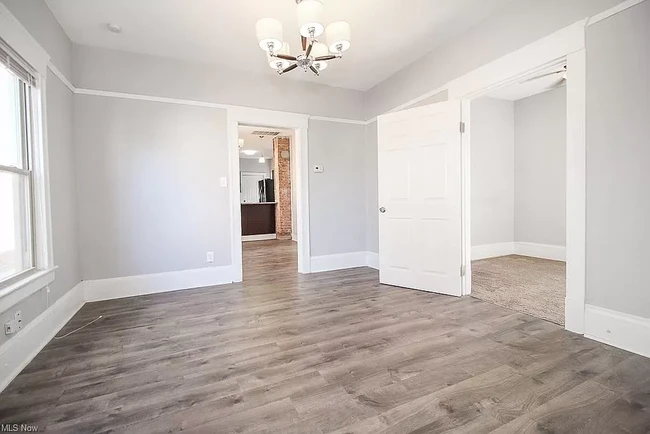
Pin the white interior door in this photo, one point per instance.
(420, 198)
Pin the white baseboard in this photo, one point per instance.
(120, 287)
(619, 329)
(544, 251)
(262, 237)
(492, 250)
(372, 260)
(16, 353)
(342, 261)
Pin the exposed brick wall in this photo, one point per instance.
(282, 183)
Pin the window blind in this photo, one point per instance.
(16, 64)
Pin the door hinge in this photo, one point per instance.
(462, 271)
(462, 127)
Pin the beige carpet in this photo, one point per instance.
(529, 285)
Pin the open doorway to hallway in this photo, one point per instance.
(518, 195)
(268, 202)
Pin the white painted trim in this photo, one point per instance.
(372, 260)
(569, 44)
(61, 77)
(17, 292)
(520, 63)
(340, 120)
(300, 172)
(19, 39)
(544, 251)
(619, 329)
(342, 261)
(261, 237)
(613, 11)
(576, 191)
(130, 286)
(492, 250)
(16, 354)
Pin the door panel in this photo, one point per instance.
(419, 187)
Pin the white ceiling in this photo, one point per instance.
(263, 146)
(386, 34)
(517, 91)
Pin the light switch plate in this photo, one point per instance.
(224, 181)
(318, 169)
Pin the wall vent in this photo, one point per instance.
(262, 133)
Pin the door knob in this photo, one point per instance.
(382, 210)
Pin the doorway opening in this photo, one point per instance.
(268, 201)
(518, 184)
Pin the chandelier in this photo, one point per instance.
(315, 54)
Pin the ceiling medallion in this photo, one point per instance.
(315, 54)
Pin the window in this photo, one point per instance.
(17, 252)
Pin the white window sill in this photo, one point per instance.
(20, 290)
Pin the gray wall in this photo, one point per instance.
(372, 186)
(253, 165)
(618, 154)
(97, 68)
(39, 21)
(492, 171)
(540, 168)
(523, 22)
(337, 197)
(148, 181)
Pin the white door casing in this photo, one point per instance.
(420, 191)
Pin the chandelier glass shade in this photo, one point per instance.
(315, 53)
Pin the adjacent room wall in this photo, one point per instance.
(521, 23)
(618, 153)
(150, 199)
(36, 17)
(492, 171)
(39, 21)
(540, 168)
(253, 165)
(337, 197)
(120, 71)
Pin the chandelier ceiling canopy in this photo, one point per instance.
(315, 54)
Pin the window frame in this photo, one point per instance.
(21, 286)
(26, 171)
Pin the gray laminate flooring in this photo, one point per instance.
(328, 352)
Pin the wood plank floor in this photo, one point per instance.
(329, 352)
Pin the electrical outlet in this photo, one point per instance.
(18, 317)
(14, 325)
(209, 258)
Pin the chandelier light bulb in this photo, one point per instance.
(269, 34)
(310, 14)
(276, 63)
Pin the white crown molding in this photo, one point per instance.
(613, 11)
(619, 329)
(120, 287)
(16, 353)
